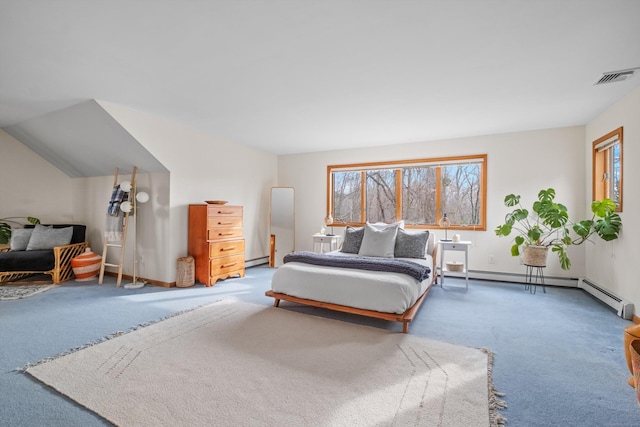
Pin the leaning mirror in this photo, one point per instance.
(282, 225)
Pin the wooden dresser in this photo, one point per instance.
(216, 242)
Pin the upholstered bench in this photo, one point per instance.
(42, 249)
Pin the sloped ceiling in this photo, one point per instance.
(84, 141)
(289, 76)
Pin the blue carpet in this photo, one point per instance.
(558, 356)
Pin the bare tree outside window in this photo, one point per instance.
(616, 174)
(346, 197)
(381, 196)
(419, 195)
(461, 193)
(428, 188)
(608, 167)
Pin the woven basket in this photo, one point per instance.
(535, 256)
(455, 266)
(185, 275)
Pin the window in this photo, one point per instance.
(347, 196)
(607, 168)
(418, 191)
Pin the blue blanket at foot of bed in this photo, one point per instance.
(415, 270)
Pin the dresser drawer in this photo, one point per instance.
(221, 221)
(230, 247)
(224, 233)
(218, 211)
(225, 265)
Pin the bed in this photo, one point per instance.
(393, 289)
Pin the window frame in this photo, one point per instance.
(397, 165)
(601, 165)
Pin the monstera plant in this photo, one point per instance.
(5, 226)
(547, 225)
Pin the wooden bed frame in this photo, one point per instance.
(405, 317)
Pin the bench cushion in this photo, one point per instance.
(42, 260)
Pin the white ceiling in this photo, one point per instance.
(290, 76)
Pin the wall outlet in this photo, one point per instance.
(492, 259)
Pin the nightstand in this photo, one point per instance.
(455, 246)
(320, 240)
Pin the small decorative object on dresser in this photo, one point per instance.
(216, 242)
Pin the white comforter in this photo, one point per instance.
(369, 290)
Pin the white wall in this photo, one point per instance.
(521, 163)
(202, 167)
(612, 264)
(31, 186)
(93, 195)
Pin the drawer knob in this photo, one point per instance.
(230, 248)
(228, 265)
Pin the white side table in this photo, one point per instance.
(320, 240)
(455, 246)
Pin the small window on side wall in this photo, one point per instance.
(607, 168)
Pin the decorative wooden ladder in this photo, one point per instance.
(120, 244)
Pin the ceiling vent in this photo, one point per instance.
(616, 76)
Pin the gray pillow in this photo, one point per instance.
(411, 244)
(352, 240)
(20, 238)
(378, 243)
(48, 237)
(383, 225)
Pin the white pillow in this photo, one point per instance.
(383, 225)
(378, 243)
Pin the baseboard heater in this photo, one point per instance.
(256, 261)
(622, 307)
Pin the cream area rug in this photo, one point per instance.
(238, 364)
(11, 292)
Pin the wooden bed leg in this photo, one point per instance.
(405, 327)
(276, 302)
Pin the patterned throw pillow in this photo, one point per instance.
(352, 240)
(411, 244)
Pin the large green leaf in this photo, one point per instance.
(534, 234)
(511, 200)
(5, 233)
(518, 215)
(583, 228)
(565, 263)
(555, 218)
(608, 228)
(602, 208)
(547, 195)
(515, 250)
(503, 230)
